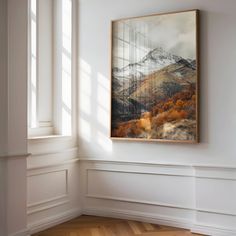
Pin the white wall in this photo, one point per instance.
(183, 185)
(17, 77)
(13, 87)
(2, 197)
(3, 76)
(3, 113)
(180, 184)
(218, 126)
(17, 117)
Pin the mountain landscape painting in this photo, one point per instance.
(155, 78)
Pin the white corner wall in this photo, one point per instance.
(3, 113)
(191, 186)
(13, 87)
(184, 185)
(217, 92)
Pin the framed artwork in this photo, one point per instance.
(154, 78)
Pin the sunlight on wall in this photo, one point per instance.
(85, 129)
(66, 66)
(86, 89)
(85, 101)
(102, 117)
(33, 68)
(104, 141)
(103, 113)
(94, 103)
(103, 100)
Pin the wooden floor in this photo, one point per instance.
(101, 226)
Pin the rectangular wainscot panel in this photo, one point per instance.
(216, 195)
(215, 200)
(55, 187)
(147, 188)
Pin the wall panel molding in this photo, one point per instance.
(211, 230)
(15, 155)
(44, 208)
(23, 232)
(53, 186)
(65, 151)
(210, 214)
(137, 201)
(47, 201)
(51, 221)
(98, 176)
(55, 165)
(205, 167)
(141, 163)
(59, 198)
(157, 172)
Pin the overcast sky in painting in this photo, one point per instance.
(175, 33)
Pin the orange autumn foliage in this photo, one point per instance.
(172, 115)
(181, 106)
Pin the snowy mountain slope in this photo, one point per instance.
(155, 60)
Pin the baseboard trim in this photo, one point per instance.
(159, 219)
(210, 230)
(138, 216)
(54, 220)
(24, 232)
(15, 155)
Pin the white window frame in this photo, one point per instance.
(54, 127)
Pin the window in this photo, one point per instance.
(50, 68)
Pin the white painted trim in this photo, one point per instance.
(23, 232)
(139, 216)
(215, 177)
(125, 162)
(48, 172)
(139, 172)
(40, 132)
(211, 230)
(54, 220)
(15, 155)
(67, 150)
(206, 210)
(103, 197)
(219, 167)
(39, 209)
(47, 201)
(49, 138)
(143, 202)
(213, 172)
(122, 162)
(159, 219)
(53, 165)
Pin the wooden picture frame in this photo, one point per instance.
(155, 78)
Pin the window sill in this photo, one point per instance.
(48, 137)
